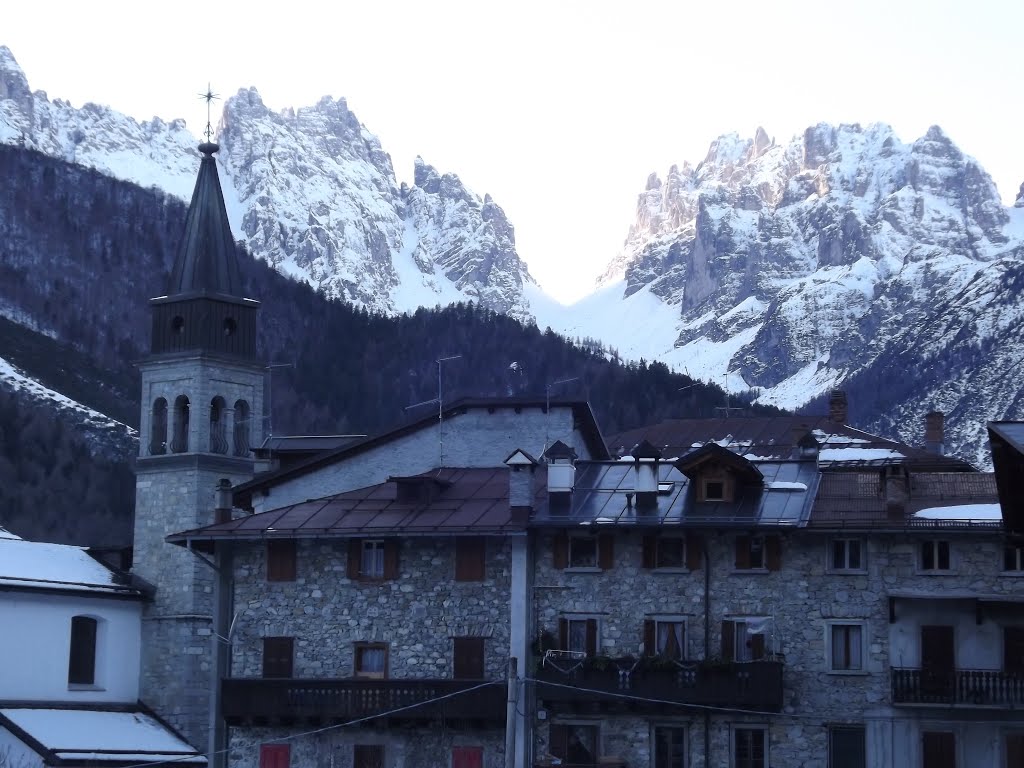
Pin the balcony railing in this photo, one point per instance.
(961, 687)
(753, 685)
(276, 699)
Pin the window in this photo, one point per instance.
(468, 658)
(218, 426)
(281, 561)
(82, 659)
(845, 647)
(749, 748)
(574, 743)
(367, 756)
(746, 639)
(1013, 650)
(372, 559)
(1014, 750)
(578, 634)
(846, 746)
(179, 443)
(371, 562)
(938, 749)
(758, 553)
(714, 490)
(846, 555)
(935, 555)
(371, 660)
(671, 552)
(158, 428)
(1013, 558)
(584, 551)
(470, 558)
(275, 755)
(467, 757)
(669, 747)
(665, 637)
(277, 656)
(240, 438)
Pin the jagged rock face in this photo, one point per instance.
(814, 260)
(309, 190)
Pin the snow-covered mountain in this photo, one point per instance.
(309, 190)
(843, 257)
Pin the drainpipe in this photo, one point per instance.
(707, 643)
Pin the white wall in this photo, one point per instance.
(36, 641)
(14, 753)
(978, 646)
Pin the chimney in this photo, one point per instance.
(896, 492)
(645, 475)
(561, 476)
(837, 408)
(520, 478)
(223, 503)
(935, 432)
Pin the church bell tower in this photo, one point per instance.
(202, 400)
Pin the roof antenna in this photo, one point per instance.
(440, 408)
(209, 96)
(547, 407)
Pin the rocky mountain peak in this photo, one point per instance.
(1019, 202)
(13, 83)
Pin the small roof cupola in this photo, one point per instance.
(645, 474)
(561, 468)
(204, 310)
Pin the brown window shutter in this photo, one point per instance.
(558, 740)
(355, 557)
(468, 658)
(694, 551)
(391, 559)
(650, 640)
(743, 552)
(560, 551)
(563, 634)
(648, 556)
(757, 646)
(728, 640)
(591, 637)
(605, 551)
(470, 558)
(773, 552)
(277, 656)
(281, 561)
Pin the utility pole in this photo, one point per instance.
(510, 713)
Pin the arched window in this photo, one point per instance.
(158, 428)
(179, 444)
(82, 659)
(218, 426)
(241, 436)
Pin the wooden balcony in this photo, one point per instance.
(289, 700)
(624, 684)
(958, 688)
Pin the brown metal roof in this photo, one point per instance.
(472, 501)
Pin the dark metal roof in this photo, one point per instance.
(779, 438)
(206, 262)
(586, 422)
(472, 501)
(604, 496)
(1007, 441)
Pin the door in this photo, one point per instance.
(274, 755)
(467, 757)
(938, 663)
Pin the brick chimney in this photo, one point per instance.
(935, 432)
(837, 410)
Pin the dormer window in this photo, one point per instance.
(714, 490)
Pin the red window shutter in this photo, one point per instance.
(650, 640)
(648, 556)
(281, 561)
(563, 634)
(591, 637)
(275, 755)
(468, 658)
(560, 551)
(743, 552)
(391, 559)
(355, 557)
(728, 640)
(605, 551)
(470, 558)
(773, 552)
(694, 551)
(467, 757)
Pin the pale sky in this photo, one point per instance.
(559, 110)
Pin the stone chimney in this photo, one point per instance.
(645, 475)
(223, 501)
(935, 432)
(897, 492)
(520, 478)
(837, 408)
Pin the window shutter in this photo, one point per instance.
(277, 656)
(650, 640)
(391, 559)
(558, 740)
(470, 558)
(467, 757)
(563, 634)
(694, 550)
(743, 552)
(757, 646)
(355, 556)
(275, 755)
(560, 551)
(281, 561)
(648, 556)
(468, 658)
(773, 552)
(605, 551)
(591, 637)
(728, 640)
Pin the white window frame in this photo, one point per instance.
(830, 564)
(374, 548)
(935, 545)
(655, 727)
(735, 729)
(672, 619)
(830, 628)
(597, 554)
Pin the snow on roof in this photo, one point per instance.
(5, 534)
(54, 566)
(84, 735)
(857, 454)
(783, 485)
(962, 512)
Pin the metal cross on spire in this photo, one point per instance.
(209, 96)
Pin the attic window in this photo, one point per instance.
(714, 490)
(665, 488)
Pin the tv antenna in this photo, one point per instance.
(208, 97)
(440, 407)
